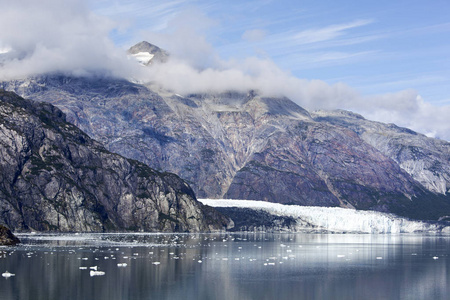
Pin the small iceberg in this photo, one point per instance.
(96, 273)
(7, 274)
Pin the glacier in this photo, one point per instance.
(335, 219)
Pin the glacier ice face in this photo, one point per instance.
(334, 219)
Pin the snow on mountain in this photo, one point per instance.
(335, 219)
(146, 53)
(143, 58)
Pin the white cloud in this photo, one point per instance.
(185, 39)
(326, 33)
(57, 36)
(408, 109)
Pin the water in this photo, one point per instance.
(227, 266)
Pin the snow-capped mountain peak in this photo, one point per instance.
(146, 53)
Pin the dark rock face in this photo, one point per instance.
(56, 178)
(246, 219)
(7, 238)
(243, 146)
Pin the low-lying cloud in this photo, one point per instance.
(65, 36)
(404, 108)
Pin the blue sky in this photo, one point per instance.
(375, 47)
(387, 60)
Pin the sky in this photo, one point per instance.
(388, 60)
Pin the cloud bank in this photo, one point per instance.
(65, 36)
(56, 36)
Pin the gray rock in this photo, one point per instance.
(7, 238)
(54, 177)
(425, 159)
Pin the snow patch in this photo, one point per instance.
(143, 58)
(335, 219)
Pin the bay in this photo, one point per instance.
(227, 266)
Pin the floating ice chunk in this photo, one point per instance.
(156, 263)
(200, 261)
(7, 274)
(94, 268)
(83, 268)
(435, 257)
(96, 273)
(122, 265)
(379, 257)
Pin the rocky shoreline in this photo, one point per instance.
(7, 238)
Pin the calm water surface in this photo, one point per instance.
(227, 266)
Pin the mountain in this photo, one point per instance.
(240, 146)
(147, 53)
(425, 159)
(54, 177)
(246, 146)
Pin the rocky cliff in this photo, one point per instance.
(54, 177)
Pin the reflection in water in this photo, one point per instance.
(227, 266)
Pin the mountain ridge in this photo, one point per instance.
(247, 146)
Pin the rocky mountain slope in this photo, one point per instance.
(425, 159)
(54, 177)
(240, 146)
(244, 146)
